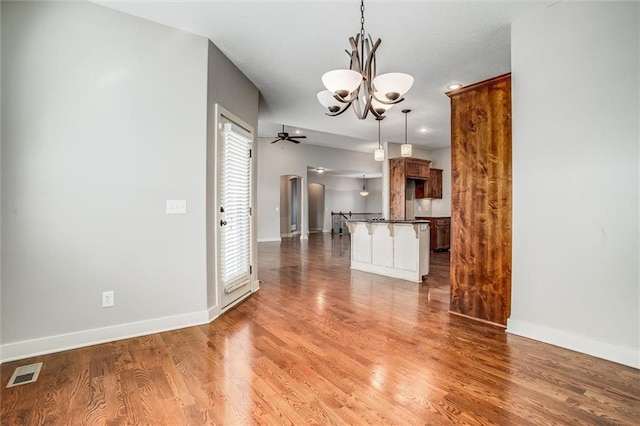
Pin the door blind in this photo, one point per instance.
(235, 201)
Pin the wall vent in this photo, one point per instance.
(25, 374)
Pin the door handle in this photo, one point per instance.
(223, 222)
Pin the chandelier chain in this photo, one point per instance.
(362, 20)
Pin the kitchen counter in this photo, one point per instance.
(394, 248)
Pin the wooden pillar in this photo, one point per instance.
(481, 200)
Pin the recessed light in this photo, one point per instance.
(320, 170)
(423, 130)
(454, 86)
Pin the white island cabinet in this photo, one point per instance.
(395, 248)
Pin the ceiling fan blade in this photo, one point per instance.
(277, 140)
(301, 137)
(292, 140)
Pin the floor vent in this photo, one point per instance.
(25, 374)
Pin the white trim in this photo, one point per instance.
(269, 240)
(236, 301)
(213, 313)
(563, 339)
(79, 339)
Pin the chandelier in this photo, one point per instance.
(359, 86)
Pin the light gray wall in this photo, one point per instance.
(575, 71)
(373, 201)
(342, 194)
(279, 159)
(316, 206)
(228, 87)
(105, 118)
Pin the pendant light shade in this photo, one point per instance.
(378, 154)
(406, 150)
(364, 191)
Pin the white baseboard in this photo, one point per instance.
(563, 339)
(63, 342)
(213, 312)
(269, 240)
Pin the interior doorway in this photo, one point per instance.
(316, 207)
(290, 205)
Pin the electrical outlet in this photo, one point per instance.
(176, 206)
(107, 299)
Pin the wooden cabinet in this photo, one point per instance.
(402, 170)
(434, 184)
(440, 236)
(431, 188)
(416, 168)
(481, 200)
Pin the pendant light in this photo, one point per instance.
(364, 191)
(406, 149)
(378, 154)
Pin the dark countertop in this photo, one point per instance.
(389, 221)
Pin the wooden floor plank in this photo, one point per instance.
(321, 344)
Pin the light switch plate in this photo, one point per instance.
(176, 206)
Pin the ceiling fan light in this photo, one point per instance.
(393, 84)
(341, 82)
(406, 150)
(378, 154)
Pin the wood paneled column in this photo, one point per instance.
(481, 200)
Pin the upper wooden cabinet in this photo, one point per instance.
(434, 184)
(431, 188)
(416, 168)
(401, 169)
(481, 200)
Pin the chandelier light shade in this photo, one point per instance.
(378, 154)
(393, 85)
(364, 191)
(328, 101)
(342, 82)
(359, 85)
(406, 150)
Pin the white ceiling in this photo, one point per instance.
(284, 47)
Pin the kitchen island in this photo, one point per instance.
(394, 248)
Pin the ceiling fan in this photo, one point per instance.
(284, 136)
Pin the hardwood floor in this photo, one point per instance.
(320, 344)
